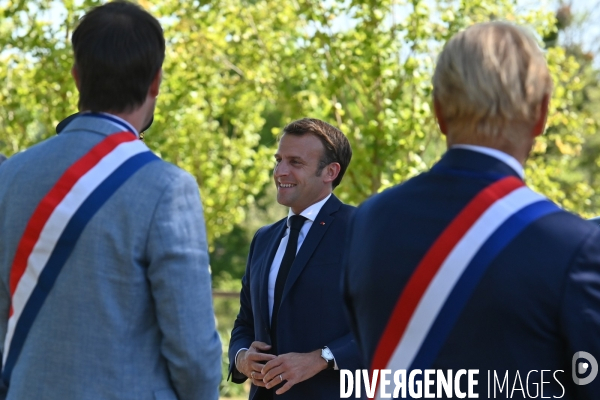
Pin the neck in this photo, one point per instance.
(520, 151)
(137, 118)
(299, 210)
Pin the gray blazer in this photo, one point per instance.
(130, 315)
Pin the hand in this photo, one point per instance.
(292, 368)
(250, 362)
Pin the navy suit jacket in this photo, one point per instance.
(536, 305)
(311, 313)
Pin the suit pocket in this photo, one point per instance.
(165, 394)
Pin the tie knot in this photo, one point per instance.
(296, 222)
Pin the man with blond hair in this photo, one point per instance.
(463, 277)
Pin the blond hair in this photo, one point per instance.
(489, 76)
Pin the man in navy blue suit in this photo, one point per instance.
(464, 269)
(291, 336)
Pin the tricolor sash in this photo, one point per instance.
(444, 280)
(55, 226)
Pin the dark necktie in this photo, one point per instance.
(296, 222)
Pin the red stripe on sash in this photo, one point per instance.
(58, 192)
(431, 263)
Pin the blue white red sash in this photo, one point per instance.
(442, 283)
(56, 225)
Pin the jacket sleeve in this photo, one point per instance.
(180, 281)
(348, 346)
(242, 334)
(345, 351)
(580, 312)
(4, 315)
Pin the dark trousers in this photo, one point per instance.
(264, 394)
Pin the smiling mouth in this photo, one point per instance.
(285, 185)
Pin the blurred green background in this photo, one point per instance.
(237, 71)
(226, 309)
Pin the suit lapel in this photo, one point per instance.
(278, 233)
(319, 227)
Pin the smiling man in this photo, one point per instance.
(290, 337)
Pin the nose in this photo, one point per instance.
(280, 169)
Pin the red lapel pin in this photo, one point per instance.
(322, 223)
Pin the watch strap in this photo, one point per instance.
(330, 362)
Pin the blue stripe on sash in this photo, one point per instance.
(63, 250)
(464, 288)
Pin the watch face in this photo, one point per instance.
(327, 354)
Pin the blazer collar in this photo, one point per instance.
(475, 162)
(96, 124)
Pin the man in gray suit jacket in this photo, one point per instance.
(104, 283)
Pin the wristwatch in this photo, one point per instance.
(327, 355)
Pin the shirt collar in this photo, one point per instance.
(500, 155)
(117, 121)
(311, 212)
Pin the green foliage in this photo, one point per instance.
(237, 71)
(226, 310)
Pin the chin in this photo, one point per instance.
(281, 200)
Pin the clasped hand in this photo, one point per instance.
(291, 368)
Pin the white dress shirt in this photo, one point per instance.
(500, 155)
(310, 214)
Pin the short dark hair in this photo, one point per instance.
(119, 48)
(337, 147)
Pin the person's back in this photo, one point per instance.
(519, 318)
(129, 315)
(465, 268)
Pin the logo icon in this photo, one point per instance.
(582, 367)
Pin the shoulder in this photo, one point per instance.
(347, 208)
(268, 230)
(163, 176)
(563, 228)
(387, 201)
(345, 212)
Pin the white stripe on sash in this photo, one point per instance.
(56, 224)
(451, 270)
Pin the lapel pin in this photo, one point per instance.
(322, 223)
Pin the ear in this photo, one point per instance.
(540, 123)
(439, 115)
(331, 172)
(75, 75)
(155, 85)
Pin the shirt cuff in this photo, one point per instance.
(236, 354)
